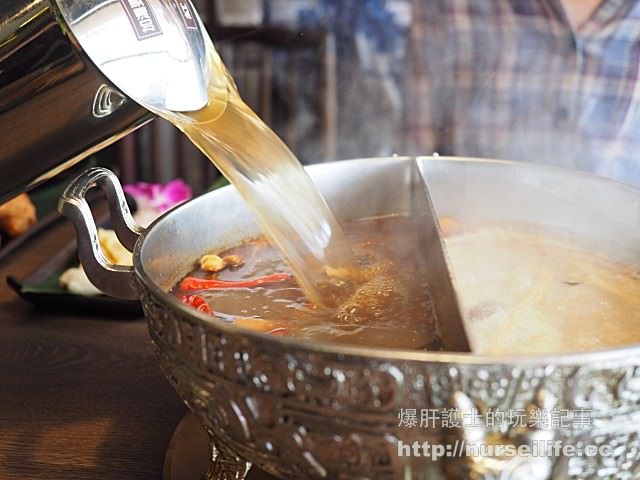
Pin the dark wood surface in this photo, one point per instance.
(81, 396)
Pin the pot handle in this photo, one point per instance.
(114, 280)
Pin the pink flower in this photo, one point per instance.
(159, 197)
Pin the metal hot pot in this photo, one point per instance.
(303, 410)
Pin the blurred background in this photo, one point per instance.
(326, 75)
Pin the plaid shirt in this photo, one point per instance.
(511, 79)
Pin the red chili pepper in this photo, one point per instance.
(197, 302)
(192, 283)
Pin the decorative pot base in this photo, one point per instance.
(188, 455)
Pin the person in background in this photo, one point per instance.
(549, 81)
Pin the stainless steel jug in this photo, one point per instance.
(75, 76)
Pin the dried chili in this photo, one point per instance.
(197, 302)
(193, 283)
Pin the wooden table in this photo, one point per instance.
(80, 397)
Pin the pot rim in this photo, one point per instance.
(385, 353)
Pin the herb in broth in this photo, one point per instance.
(390, 308)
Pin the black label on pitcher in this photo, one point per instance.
(142, 18)
(186, 13)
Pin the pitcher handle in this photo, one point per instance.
(114, 280)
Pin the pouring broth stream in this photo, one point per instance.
(287, 204)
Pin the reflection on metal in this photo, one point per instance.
(67, 69)
(146, 49)
(107, 101)
(47, 89)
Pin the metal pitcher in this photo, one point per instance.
(76, 75)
